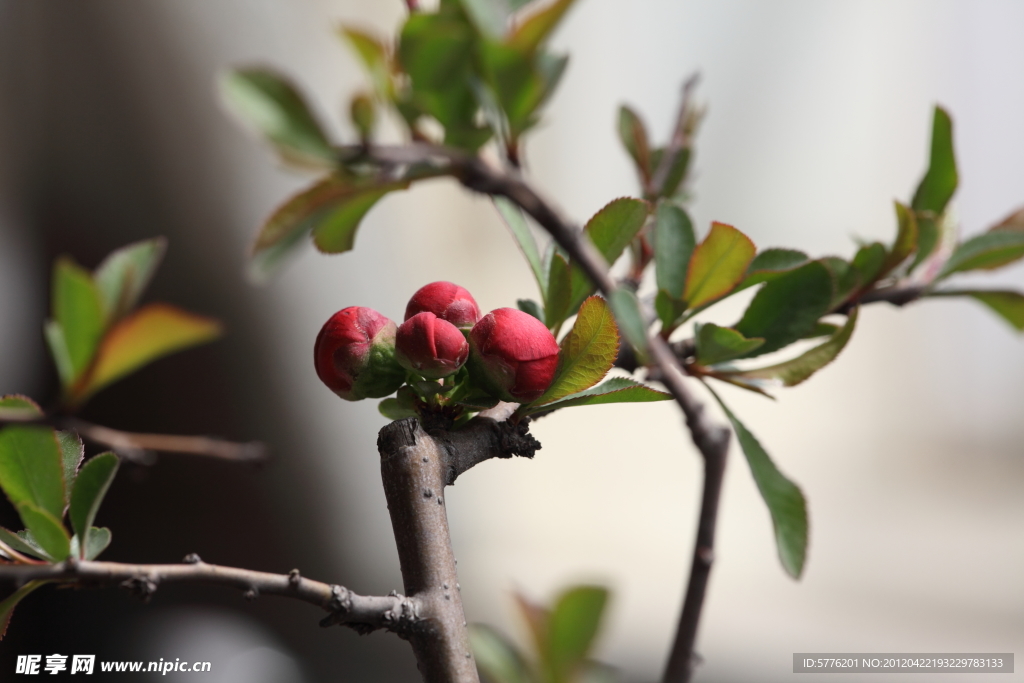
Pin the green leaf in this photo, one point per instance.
(489, 16)
(669, 310)
(1008, 304)
(611, 230)
(869, 262)
(78, 309)
(613, 227)
(535, 28)
(674, 243)
(821, 330)
(532, 307)
(47, 530)
(31, 468)
(631, 321)
(333, 205)
(987, 251)
(845, 280)
(587, 353)
(72, 450)
(516, 222)
(273, 106)
(556, 303)
(906, 238)
(59, 351)
(21, 545)
(374, 56)
(18, 407)
(572, 627)
(12, 600)
(96, 542)
(940, 181)
(393, 409)
(795, 371)
(787, 307)
(90, 487)
(153, 331)
(521, 81)
(677, 172)
(675, 175)
(717, 344)
(125, 273)
(929, 234)
(296, 215)
(26, 537)
(770, 263)
(633, 135)
(718, 264)
(614, 390)
(334, 230)
(785, 501)
(496, 657)
(437, 51)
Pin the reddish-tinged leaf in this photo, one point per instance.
(151, 332)
(718, 264)
(17, 407)
(12, 600)
(535, 28)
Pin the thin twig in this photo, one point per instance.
(679, 141)
(136, 443)
(362, 612)
(138, 447)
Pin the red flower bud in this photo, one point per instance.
(354, 354)
(515, 353)
(447, 301)
(430, 346)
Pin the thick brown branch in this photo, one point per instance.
(415, 468)
(363, 613)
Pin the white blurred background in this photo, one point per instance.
(908, 448)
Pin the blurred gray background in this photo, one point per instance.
(909, 448)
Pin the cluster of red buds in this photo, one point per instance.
(506, 354)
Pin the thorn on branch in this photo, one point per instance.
(192, 558)
(251, 594)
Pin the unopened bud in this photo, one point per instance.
(515, 353)
(447, 301)
(355, 354)
(430, 347)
